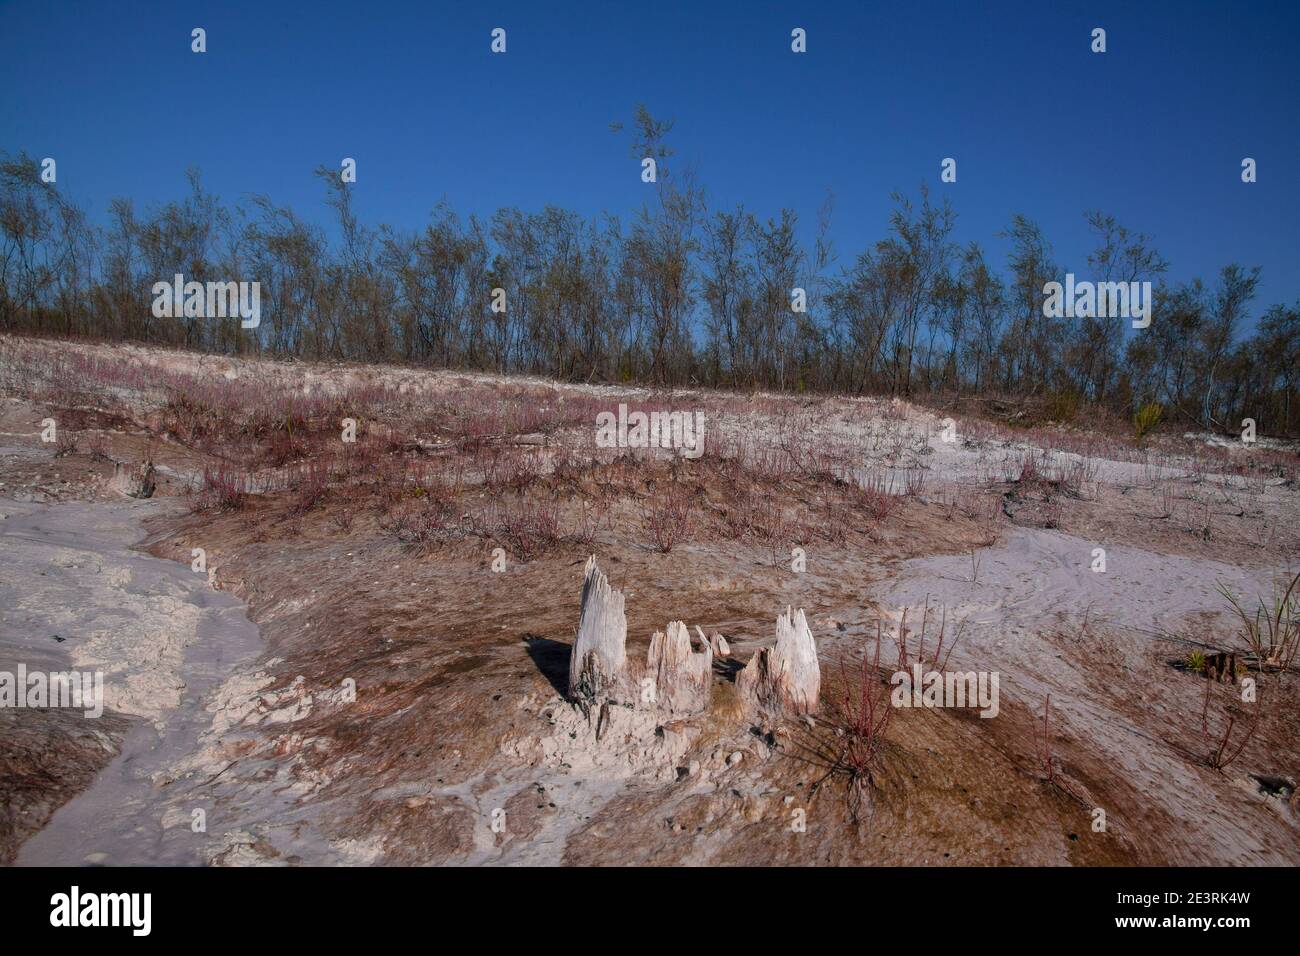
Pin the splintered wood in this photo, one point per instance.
(785, 678)
(683, 678)
(598, 665)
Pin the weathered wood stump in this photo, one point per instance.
(785, 679)
(135, 482)
(683, 678)
(598, 665)
(1221, 667)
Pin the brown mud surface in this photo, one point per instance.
(416, 595)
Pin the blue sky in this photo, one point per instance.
(1153, 131)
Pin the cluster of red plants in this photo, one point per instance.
(860, 718)
(666, 514)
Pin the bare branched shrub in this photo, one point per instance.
(1073, 475)
(389, 485)
(770, 526)
(936, 657)
(310, 482)
(1226, 751)
(424, 524)
(568, 467)
(98, 447)
(738, 509)
(522, 468)
(1223, 749)
(859, 718)
(666, 515)
(1165, 502)
(526, 530)
(225, 488)
(873, 495)
(584, 528)
(343, 518)
(1028, 469)
(65, 443)
(358, 460)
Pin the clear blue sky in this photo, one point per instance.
(1153, 131)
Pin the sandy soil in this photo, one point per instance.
(401, 702)
(75, 595)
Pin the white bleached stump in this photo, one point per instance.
(137, 482)
(598, 665)
(784, 679)
(683, 677)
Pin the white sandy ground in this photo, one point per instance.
(1032, 578)
(163, 639)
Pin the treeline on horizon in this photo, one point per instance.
(675, 295)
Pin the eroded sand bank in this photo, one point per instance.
(75, 595)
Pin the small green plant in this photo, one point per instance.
(1195, 661)
(1146, 418)
(1272, 632)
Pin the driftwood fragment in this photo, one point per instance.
(785, 679)
(717, 643)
